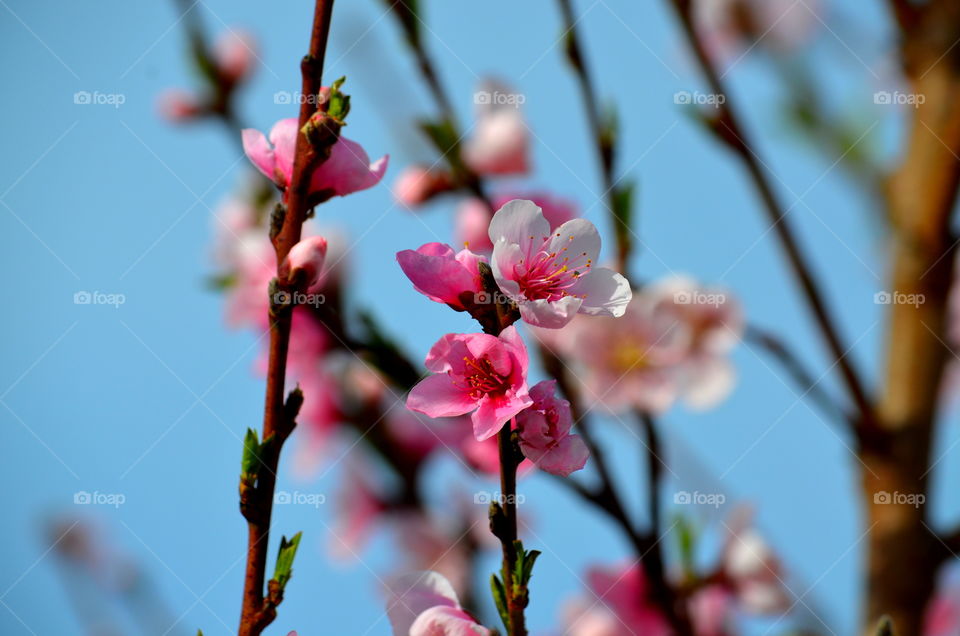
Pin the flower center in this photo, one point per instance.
(547, 275)
(482, 379)
(630, 356)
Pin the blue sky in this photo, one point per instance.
(150, 398)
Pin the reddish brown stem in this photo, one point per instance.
(257, 613)
(508, 529)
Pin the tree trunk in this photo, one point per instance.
(903, 554)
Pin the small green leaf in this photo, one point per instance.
(687, 544)
(250, 463)
(285, 556)
(338, 105)
(500, 599)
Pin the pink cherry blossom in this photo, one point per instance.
(425, 604)
(499, 145)
(754, 569)
(473, 217)
(307, 255)
(545, 433)
(347, 170)
(714, 320)
(234, 54)
(418, 184)
(442, 275)
(475, 373)
(732, 28)
(550, 274)
(618, 605)
(625, 363)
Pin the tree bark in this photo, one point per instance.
(903, 555)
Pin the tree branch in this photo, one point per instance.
(257, 612)
(805, 380)
(729, 130)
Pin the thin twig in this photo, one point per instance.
(728, 128)
(257, 612)
(803, 378)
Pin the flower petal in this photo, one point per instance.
(567, 456)
(493, 414)
(438, 396)
(521, 222)
(550, 314)
(259, 151)
(605, 292)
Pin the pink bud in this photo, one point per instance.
(307, 255)
(417, 185)
(178, 106)
(234, 53)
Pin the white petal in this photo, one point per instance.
(521, 222)
(606, 292)
(577, 239)
(550, 315)
(708, 381)
(411, 594)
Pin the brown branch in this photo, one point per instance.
(604, 141)
(257, 612)
(728, 129)
(805, 380)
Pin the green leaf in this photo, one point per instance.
(500, 599)
(687, 539)
(285, 556)
(338, 105)
(250, 463)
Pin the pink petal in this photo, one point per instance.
(438, 396)
(283, 136)
(259, 151)
(445, 621)
(307, 255)
(493, 414)
(348, 170)
(569, 455)
(435, 273)
(410, 595)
